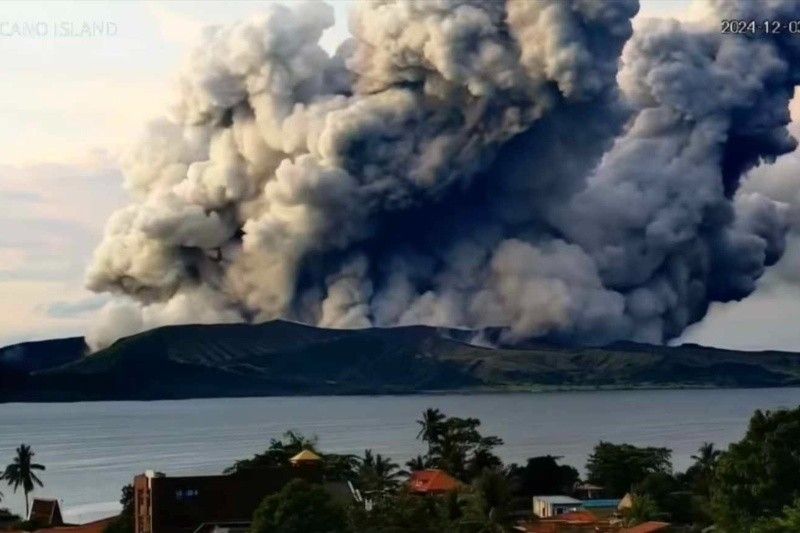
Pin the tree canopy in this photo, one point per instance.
(336, 467)
(617, 467)
(377, 473)
(787, 522)
(543, 475)
(456, 445)
(759, 476)
(277, 454)
(124, 522)
(300, 507)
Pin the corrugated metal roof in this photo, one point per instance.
(434, 480)
(557, 500)
(601, 503)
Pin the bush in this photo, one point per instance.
(300, 507)
(617, 467)
(758, 477)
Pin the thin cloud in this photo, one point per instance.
(76, 308)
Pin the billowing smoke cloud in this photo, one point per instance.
(527, 166)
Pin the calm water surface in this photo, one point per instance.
(92, 449)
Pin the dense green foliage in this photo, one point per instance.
(489, 503)
(405, 512)
(277, 454)
(456, 445)
(787, 522)
(376, 473)
(760, 475)
(337, 467)
(618, 466)
(643, 509)
(300, 507)
(543, 475)
(754, 486)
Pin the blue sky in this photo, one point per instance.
(70, 104)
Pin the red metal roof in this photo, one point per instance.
(647, 527)
(432, 482)
(576, 517)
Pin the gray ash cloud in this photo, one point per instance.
(530, 167)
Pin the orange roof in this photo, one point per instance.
(432, 481)
(647, 527)
(555, 527)
(575, 517)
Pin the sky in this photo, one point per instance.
(82, 79)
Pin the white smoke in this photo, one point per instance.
(459, 163)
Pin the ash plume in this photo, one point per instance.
(531, 166)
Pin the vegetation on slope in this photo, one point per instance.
(281, 358)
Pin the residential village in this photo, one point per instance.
(459, 485)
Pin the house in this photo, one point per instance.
(549, 506)
(602, 506)
(46, 513)
(164, 504)
(587, 491)
(97, 526)
(572, 522)
(432, 481)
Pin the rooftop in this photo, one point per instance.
(587, 486)
(575, 517)
(305, 455)
(433, 481)
(98, 526)
(45, 512)
(607, 503)
(558, 499)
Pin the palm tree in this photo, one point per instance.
(386, 471)
(707, 456)
(417, 463)
(378, 473)
(430, 426)
(702, 471)
(22, 472)
(490, 495)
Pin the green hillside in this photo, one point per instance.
(284, 358)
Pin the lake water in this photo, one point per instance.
(92, 449)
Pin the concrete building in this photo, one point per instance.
(550, 506)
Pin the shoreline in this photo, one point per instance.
(475, 391)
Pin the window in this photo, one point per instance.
(186, 494)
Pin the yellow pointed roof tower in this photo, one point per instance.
(305, 456)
